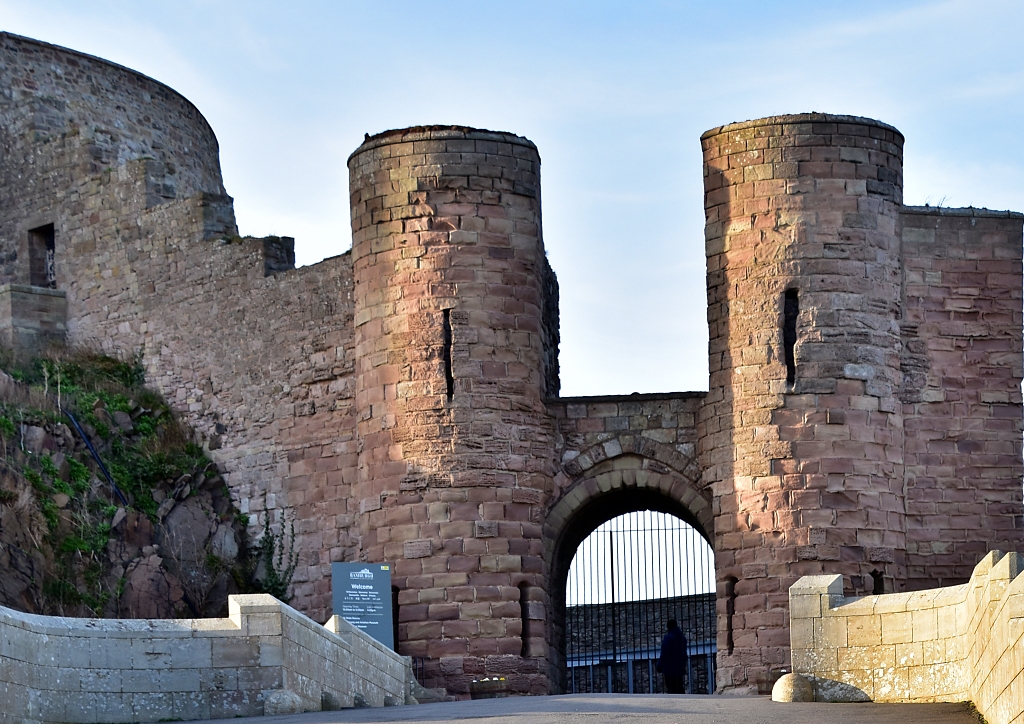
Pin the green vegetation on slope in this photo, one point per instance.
(73, 547)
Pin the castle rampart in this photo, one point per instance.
(399, 402)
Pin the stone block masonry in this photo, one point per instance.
(864, 416)
(92, 670)
(32, 317)
(451, 374)
(943, 644)
(961, 332)
(399, 402)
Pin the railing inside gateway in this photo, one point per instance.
(629, 578)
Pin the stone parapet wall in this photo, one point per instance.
(92, 670)
(945, 644)
(961, 389)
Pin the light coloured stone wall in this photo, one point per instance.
(56, 669)
(944, 644)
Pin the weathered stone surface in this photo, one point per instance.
(282, 701)
(946, 644)
(150, 591)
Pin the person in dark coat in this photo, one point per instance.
(672, 662)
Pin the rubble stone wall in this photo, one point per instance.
(943, 644)
(256, 354)
(56, 102)
(94, 670)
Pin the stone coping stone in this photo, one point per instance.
(799, 118)
(26, 289)
(969, 211)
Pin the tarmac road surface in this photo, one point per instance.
(638, 709)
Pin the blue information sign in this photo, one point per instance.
(362, 596)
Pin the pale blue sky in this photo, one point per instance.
(615, 95)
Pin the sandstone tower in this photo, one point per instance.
(811, 297)
(804, 296)
(400, 401)
(454, 360)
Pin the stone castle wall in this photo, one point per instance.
(961, 365)
(803, 440)
(399, 402)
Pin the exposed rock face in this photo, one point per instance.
(150, 591)
(177, 562)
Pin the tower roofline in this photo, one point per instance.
(438, 132)
(799, 118)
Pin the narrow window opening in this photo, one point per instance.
(730, 610)
(790, 311)
(42, 270)
(448, 377)
(524, 616)
(879, 585)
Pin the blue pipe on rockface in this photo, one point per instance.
(95, 456)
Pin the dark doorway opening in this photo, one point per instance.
(626, 574)
(42, 270)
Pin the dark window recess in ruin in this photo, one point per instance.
(790, 311)
(448, 377)
(879, 583)
(278, 254)
(524, 616)
(42, 270)
(730, 610)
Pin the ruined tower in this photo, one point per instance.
(803, 431)
(454, 360)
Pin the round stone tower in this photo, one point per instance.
(455, 355)
(802, 433)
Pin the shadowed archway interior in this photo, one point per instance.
(583, 522)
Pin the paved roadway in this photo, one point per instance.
(639, 709)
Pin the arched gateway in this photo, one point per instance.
(621, 454)
(626, 483)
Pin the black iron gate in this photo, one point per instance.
(628, 579)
